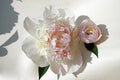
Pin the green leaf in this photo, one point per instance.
(42, 71)
(92, 47)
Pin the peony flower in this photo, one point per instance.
(89, 32)
(58, 42)
(52, 42)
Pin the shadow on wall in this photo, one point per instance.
(13, 38)
(8, 18)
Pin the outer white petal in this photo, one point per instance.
(55, 67)
(62, 13)
(71, 21)
(30, 48)
(31, 26)
(59, 68)
(52, 14)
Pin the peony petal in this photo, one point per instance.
(80, 55)
(30, 48)
(59, 68)
(55, 67)
(52, 14)
(62, 13)
(31, 26)
(104, 32)
(71, 21)
(80, 19)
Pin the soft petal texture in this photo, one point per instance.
(41, 30)
(89, 32)
(59, 68)
(32, 51)
(52, 14)
(71, 21)
(62, 13)
(104, 32)
(31, 26)
(55, 67)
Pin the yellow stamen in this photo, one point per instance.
(89, 30)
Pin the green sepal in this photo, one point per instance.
(42, 71)
(92, 47)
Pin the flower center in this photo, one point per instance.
(89, 30)
(59, 40)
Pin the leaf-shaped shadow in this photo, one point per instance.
(13, 38)
(3, 51)
(8, 17)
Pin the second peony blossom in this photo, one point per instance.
(89, 32)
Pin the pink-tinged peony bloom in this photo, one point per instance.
(59, 41)
(89, 32)
(53, 43)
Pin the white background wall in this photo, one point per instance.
(14, 65)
